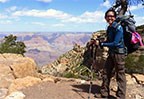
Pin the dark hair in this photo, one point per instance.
(111, 10)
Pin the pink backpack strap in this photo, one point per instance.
(139, 38)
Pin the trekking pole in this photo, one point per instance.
(94, 50)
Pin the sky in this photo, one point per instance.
(58, 15)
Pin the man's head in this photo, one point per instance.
(110, 16)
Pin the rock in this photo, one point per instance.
(64, 61)
(80, 81)
(48, 80)
(4, 69)
(61, 68)
(21, 83)
(3, 92)
(49, 69)
(24, 67)
(141, 48)
(6, 80)
(61, 79)
(83, 82)
(139, 78)
(16, 95)
(8, 58)
(6, 76)
(130, 80)
(138, 96)
(18, 65)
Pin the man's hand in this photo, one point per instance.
(97, 42)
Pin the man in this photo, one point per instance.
(116, 57)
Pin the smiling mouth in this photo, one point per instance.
(110, 20)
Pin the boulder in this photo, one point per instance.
(3, 92)
(24, 67)
(17, 65)
(4, 69)
(47, 78)
(6, 76)
(130, 80)
(16, 71)
(139, 78)
(6, 80)
(21, 83)
(15, 95)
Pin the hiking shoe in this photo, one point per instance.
(97, 95)
(100, 96)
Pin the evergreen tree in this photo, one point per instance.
(10, 45)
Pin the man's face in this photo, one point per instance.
(110, 18)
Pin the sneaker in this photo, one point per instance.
(97, 95)
(100, 96)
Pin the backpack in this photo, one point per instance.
(132, 39)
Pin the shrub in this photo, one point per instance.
(135, 64)
(10, 45)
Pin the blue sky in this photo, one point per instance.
(58, 15)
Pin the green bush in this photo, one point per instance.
(135, 64)
(10, 45)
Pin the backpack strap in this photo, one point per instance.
(136, 38)
(115, 24)
(119, 20)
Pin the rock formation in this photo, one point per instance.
(18, 72)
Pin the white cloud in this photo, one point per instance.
(136, 7)
(87, 17)
(3, 1)
(139, 20)
(58, 25)
(106, 4)
(13, 8)
(3, 16)
(5, 22)
(46, 1)
(50, 13)
(38, 23)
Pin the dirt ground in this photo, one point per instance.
(74, 90)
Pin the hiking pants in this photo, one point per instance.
(114, 61)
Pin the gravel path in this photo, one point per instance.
(60, 90)
(74, 90)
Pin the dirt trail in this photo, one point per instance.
(62, 90)
(71, 90)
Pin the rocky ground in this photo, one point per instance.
(77, 90)
(19, 79)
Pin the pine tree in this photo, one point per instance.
(10, 45)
